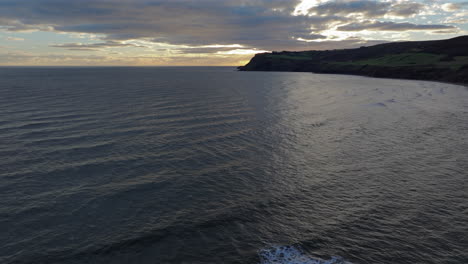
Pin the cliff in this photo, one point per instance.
(438, 60)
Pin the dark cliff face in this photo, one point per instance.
(441, 60)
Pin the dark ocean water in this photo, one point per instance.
(210, 165)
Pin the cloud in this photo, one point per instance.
(217, 50)
(264, 24)
(92, 46)
(176, 21)
(364, 8)
(350, 42)
(313, 37)
(458, 18)
(391, 26)
(14, 39)
(367, 8)
(406, 9)
(222, 28)
(25, 58)
(22, 58)
(13, 24)
(450, 7)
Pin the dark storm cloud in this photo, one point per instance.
(390, 26)
(262, 24)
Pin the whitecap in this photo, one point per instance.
(293, 255)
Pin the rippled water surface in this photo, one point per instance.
(210, 165)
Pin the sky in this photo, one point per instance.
(210, 32)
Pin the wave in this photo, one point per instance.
(293, 255)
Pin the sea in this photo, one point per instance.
(209, 165)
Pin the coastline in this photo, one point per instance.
(439, 60)
(367, 76)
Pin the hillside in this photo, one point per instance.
(438, 60)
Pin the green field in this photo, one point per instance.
(390, 60)
(412, 59)
(289, 57)
(456, 64)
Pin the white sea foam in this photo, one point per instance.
(293, 255)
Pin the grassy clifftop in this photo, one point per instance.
(439, 60)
